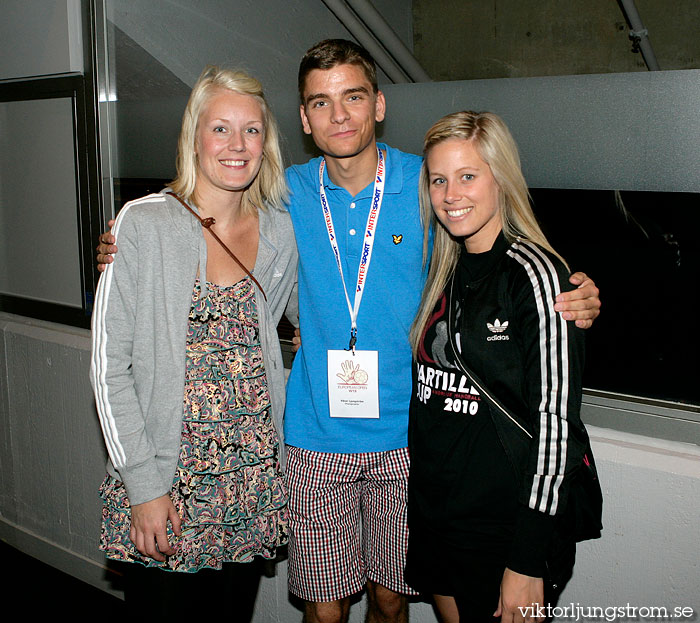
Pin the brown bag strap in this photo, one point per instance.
(207, 223)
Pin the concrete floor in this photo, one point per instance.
(33, 588)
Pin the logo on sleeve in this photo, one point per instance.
(397, 239)
(497, 328)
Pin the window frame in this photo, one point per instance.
(642, 416)
(79, 87)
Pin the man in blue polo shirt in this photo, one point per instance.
(349, 469)
(356, 221)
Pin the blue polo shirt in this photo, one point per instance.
(389, 304)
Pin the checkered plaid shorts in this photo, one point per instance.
(347, 522)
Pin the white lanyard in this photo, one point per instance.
(372, 218)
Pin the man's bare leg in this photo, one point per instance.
(384, 605)
(327, 611)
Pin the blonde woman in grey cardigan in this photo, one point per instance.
(186, 363)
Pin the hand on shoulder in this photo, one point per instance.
(581, 304)
(106, 249)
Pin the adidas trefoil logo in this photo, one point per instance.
(497, 328)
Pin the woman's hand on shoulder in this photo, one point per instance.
(149, 527)
(520, 597)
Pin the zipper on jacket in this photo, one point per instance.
(458, 361)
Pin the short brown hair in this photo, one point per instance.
(332, 52)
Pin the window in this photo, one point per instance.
(640, 248)
(45, 169)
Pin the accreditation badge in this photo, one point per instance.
(353, 383)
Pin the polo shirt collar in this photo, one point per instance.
(394, 175)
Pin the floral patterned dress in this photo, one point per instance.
(228, 487)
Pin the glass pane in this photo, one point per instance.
(640, 249)
(39, 252)
(141, 104)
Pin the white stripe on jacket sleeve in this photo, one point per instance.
(554, 372)
(99, 363)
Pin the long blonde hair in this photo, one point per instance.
(497, 148)
(269, 188)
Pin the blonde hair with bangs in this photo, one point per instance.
(269, 188)
(497, 148)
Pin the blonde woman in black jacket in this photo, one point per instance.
(494, 427)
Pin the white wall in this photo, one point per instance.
(52, 459)
(635, 131)
(649, 554)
